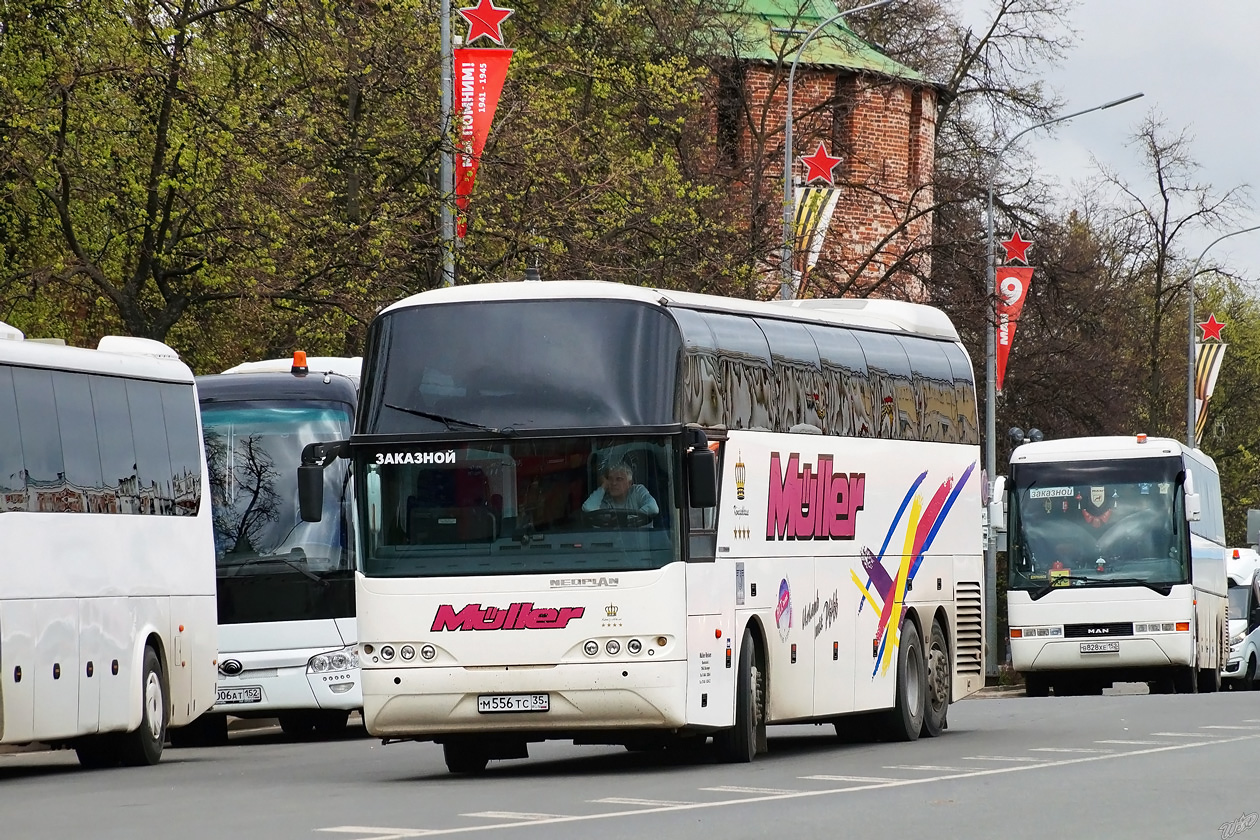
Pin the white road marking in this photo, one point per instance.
(647, 803)
(1135, 743)
(1024, 758)
(1219, 726)
(378, 833)
(1069, 750)
(514, 815)
(1191, 734)
(1029, 764)
(763, 791)
(935, 767)
(864, 780)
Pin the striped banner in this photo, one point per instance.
(814, 206)
(1207, 364)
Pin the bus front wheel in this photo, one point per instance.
(748, 737)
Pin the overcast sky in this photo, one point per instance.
(1198, 62)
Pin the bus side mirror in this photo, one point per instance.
(1194, 507)
(701, 478)
(701, 470)
(311, 492)
(997, 513)
(316, 457)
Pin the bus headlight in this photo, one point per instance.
(387, 652)
(407, 652)
(345, 659)
(634, 646)
(427, 652)
(591, 648)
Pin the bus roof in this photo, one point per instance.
(115, 355)
(886, 315)
(1102, 448)
(275, 386)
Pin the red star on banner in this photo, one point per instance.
(485, 19)
(1212, 328)
(1016, 248)
(821, 165)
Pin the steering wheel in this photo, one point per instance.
(605, 518)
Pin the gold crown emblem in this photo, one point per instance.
(611, 610)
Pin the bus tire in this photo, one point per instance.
(1209, 680)
(1036, 685)
(143, 747)
(904, 721)
(331, 723)
(466, 757)
(97, 752)
(1248, 682)
(1185, 680)
(940, 678)
(739, 744)
(206, 731)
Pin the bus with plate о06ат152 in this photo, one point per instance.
(622, 515)
(285, 587)
(107, 628)
(1116, 553)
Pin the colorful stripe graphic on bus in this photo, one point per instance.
(886, 592)
(812, 504)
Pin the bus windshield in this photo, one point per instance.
(272, 566)
(518, 506)
(1097, 523)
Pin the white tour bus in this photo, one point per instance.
(286, 587)
(803, 543)
(1115, 565)
(1243, 568)
(107, 626)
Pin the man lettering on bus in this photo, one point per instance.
(617, 491)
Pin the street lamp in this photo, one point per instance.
(1190, 436)
(990, 378)
(785, 269)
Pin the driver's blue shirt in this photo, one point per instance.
(638, 499)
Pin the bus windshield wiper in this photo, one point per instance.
(447, 421)
(1059, 583)
(245, 560)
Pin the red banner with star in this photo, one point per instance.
(1012, 289)
(479, 77)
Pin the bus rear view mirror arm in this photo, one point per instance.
(316, 457)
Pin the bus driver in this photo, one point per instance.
(617, 491)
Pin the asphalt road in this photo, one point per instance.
(1118, 766)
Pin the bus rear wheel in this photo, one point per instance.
(1209, 680)
(1036, 685)
(741, 744)
(904, 721)
(939, 683)
(206, 731)
(143, 747)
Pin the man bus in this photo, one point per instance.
(1116, 565)
(833, 569)
(107, 629)
(286, 587)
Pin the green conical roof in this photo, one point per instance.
(755, 38)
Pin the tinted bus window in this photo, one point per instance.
(113, 430)
(37, 420)
(12, 485)
(179, 409)
(153, 457)
(78, 433)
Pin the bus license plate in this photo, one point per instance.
(243, 694)
(1100, 647)
(490, 703)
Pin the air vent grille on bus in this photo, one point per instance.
(968, 657)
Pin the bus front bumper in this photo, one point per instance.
(1155, 651)
(260, 692)
(421, 702)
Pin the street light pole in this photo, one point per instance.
(785, 268)
(990, 378)
(446, 167)
(1190, 413)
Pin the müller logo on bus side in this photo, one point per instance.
(517, 616)
(447, 457)
(809, 504)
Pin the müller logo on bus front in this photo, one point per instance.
(518, 616)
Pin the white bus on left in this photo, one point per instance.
(107, 602)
